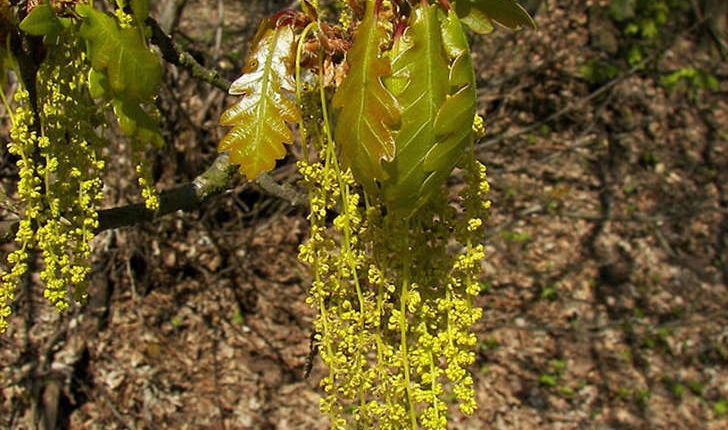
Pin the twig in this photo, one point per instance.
(282, 191)
(187, 197)
(174, 54)
(190, 196)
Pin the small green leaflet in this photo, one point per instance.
(454, 120)
(479, 15)
(98, 85)
(135, 121)
(123, 70)
(42, 21)
(132, 119)
(133, 69)
(419, 80)
(367, 108)
(259, 118)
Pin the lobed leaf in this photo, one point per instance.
(123, 69)
(474, 18)
(259, 118)
(433, 80)
(479, 15)
(133, 70)
(419, 80)
(454, 119)
(101, 33)
(367, 109)
(41, 21)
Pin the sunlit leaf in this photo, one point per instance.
(453, 122)
(433, 80)
(473, 17)
(134, 71)
(479, 14)
(367, 108)
(259, 118)
(419, 80)
(41, 21)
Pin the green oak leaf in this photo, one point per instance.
(367, 110)
(133, 70)
(479, 15)
(42, 21)
(135, 121)
(419, 80)
(454, 121)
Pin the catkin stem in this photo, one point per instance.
(403, 333)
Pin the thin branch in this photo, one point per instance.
(282, 191)
(174, 54)
(186, 197)
(190, 196)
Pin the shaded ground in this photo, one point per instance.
(604, 285)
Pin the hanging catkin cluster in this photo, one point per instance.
(395, 261)
(59, 169)
(394, 301)
(92, 61)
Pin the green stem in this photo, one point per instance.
(403, 333)
(346, 246)
(299, 97)
(433, 389)
(315, 220)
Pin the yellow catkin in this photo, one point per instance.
(23, 141)
(395, 307)
(59, 183)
